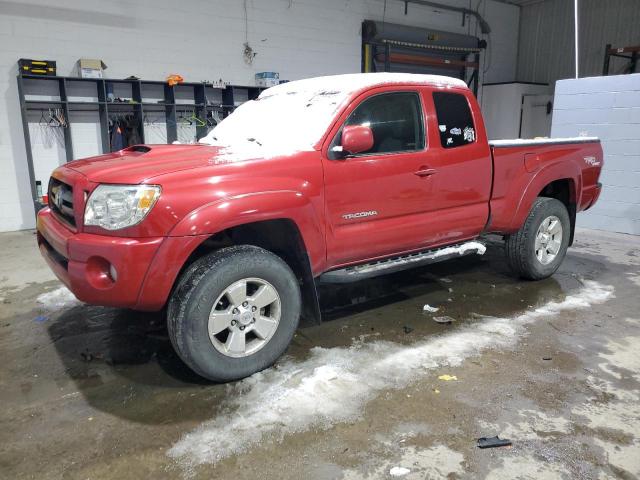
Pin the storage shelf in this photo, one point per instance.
(52, 102)
(169, 108)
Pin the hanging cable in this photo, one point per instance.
(248, 52)
(484, 26)
(384, 13)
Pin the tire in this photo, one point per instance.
(216, 279)
(534, 261)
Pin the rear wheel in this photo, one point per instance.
(538, 248)
(234, 312)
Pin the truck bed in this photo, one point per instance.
(522, 168)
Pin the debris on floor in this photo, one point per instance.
(447, 377)
(399, 471)
(407, 329)
(444, 319)
(429, 308)
(87, 356)
(41, 318)
(493, 442)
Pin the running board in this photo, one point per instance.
(403, 262)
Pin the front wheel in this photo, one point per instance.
(234, 312)
(536, 250)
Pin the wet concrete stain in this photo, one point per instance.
(95, 392)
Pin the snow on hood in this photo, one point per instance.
(293, 117)
(334, 384)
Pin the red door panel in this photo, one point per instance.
(380, 205)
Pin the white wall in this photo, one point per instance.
(201, 40)
(502, 107)
(609, 108)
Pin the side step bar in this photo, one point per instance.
(403, 262)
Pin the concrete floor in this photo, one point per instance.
(554, 366)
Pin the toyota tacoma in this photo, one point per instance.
(330, 179)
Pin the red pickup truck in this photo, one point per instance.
(330, 179)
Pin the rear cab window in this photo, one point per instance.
(455, 122)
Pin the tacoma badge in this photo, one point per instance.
(352, 216)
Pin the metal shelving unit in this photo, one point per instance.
(139, 104)
(632, 55)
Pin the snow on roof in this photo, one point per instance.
(517, 142)
(352, 82)
(293, 116)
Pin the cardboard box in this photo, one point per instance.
(267, 79)
(90, 68)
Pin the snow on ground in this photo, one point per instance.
(436, 462)
(334, 384)
(57, 299)
(399, 471)
(461, 249)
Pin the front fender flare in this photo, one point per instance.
(248, 208)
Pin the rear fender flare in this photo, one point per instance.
(548, 174)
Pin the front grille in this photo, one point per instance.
(61, 200)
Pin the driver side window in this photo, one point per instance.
(395, 120)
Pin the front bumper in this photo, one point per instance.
(100, 270)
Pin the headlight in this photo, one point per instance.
(119, 206)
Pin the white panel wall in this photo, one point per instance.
(201, 40)
(546, 46)
(609, 108)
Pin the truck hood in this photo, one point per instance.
(140, 163)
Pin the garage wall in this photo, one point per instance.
(201, 40)
(609, 108)
(546, 48)
(503, 109)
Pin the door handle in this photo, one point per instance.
(425, 172)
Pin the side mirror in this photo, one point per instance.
(356, 139)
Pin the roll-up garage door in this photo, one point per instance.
(388, 47)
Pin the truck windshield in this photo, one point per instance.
(277, 124)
